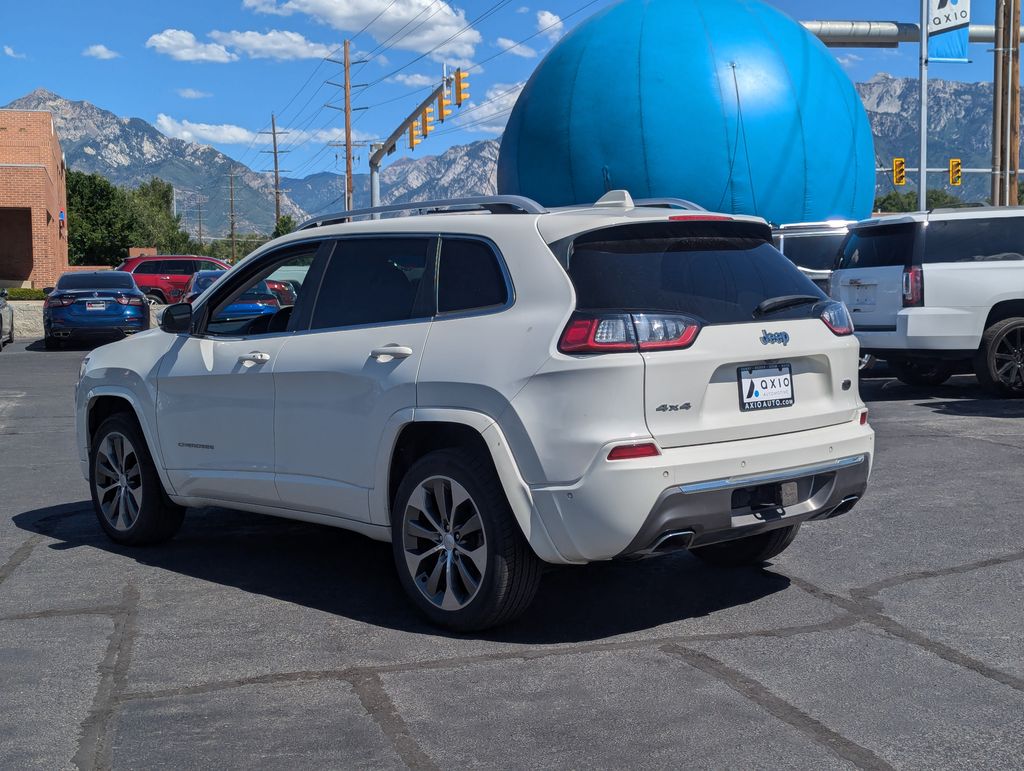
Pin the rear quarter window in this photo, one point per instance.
(974, 240)
(815, 251)
(878, 246)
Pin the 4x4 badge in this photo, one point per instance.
(767, 338)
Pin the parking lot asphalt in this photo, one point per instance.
(890, 637)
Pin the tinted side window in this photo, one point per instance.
(974, 240)
(179, 267)
(150, 268)
(207, 265)
(878, 246)
(469, 277)
(373, 281)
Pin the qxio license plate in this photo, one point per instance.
(766, 388)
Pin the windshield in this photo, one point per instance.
(703, 272)
(113, 279)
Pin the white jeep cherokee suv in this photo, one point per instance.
(492, 386)
(931, 291)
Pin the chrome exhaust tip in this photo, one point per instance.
(668, 542)
(844, 506)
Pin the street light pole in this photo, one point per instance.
(922, 192)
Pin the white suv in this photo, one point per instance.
(932, 291)
(492, 386)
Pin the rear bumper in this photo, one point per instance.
(622, 508)
(126, 325)
(926, 329)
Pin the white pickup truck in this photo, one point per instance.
(931, 291)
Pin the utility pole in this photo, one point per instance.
(1013, 162)
(997, 106)
(231, 188)
(199, 209)
(347, 109)
(277, 167)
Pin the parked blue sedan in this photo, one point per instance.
(93, 305)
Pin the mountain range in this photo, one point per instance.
(129, 151)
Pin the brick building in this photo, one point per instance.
(33, 200)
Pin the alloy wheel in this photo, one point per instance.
(444, 543)
(1009, 358)
(118, 481)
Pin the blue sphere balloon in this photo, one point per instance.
(728, 103)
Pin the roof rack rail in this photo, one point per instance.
(668, 203)
(495, 204)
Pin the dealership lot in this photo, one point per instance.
(893, 636)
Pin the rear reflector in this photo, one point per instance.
(632, 451)
(864, 418)
(618, 332)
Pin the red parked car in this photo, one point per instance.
(163, 277)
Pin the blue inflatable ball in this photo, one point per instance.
(728, 103)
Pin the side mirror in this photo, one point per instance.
(47, 290)
(177, 318)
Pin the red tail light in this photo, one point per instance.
(125, 300)
(61, 301)
(618, 332)
(838, 319)
(913, 287)
(864, 418)
(633, 451)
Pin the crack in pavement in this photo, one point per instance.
(379, 706)
(866, 593)
(867, 612)
(100, 610)
(754, 691)
(94, 744)
(21, 554)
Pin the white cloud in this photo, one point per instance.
(193, 93)
(515, 49)
(276, 44)
(221, 133)
(522, 9)
(492, 114)
(8, 51)
(848, 60)
(415, 80)
(550, 24)
(229, 134)
(417, 25)
(100, 51)
(182, 45)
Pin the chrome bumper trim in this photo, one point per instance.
(772, 476)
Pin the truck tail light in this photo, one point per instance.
(913, 287)
(620, 332)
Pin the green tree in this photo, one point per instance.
(285, 224)
(937, 198)
(153, 219)
(99, 220)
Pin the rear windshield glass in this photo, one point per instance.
(974, 240)
(113, 279)
(814, 252)
(878, 246)
(714, 273)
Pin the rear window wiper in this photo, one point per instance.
(773, 304)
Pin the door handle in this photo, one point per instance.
(256, 357)
(389, 352)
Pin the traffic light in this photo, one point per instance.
(899, 171)
(427, 121)
(461, 87)
(443, 104)
(414, 135)
(956, 172)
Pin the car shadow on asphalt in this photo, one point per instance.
(38, 346)
(348, 575)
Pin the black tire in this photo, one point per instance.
(512, 573)
(52, 343)
(156, 519)
(154, 298)
(922, 373)
(752, 550)
(1002, 346)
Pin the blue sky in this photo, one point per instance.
(213, 70)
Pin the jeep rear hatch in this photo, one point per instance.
(736, 342)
